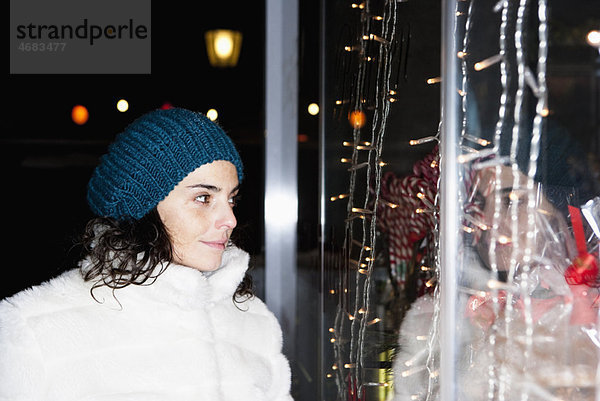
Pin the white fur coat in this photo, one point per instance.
(180, 338)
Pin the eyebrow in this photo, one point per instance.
(211, 188)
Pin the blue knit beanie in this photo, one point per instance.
(151, 157)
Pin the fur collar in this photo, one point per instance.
(186, 287)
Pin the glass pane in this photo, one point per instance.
(527, 282)
(525, 120)
(381, 91)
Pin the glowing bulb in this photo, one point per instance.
(79, 114)
(593, 38)
(503, 239)
(487, 62)
(122, 105)
(357, 119)
(340, 196)
(212, 114)
(313, 109)
(224, 45)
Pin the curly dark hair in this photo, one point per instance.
(122, 253)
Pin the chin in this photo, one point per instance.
(204, 262)
(207, 263)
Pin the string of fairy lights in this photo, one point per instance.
(355, 316)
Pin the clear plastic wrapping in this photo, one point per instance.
(528, 301)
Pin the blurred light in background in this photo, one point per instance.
(122, 105)
(593, 38)
(79, 114)
(212, 114)
(357, 119)
(313, 109)
(223, 47)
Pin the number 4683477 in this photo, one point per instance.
(42, 46)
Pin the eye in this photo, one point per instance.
(233, 201)
(202, 198)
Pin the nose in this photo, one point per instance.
(226, 218)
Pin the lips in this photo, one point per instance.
(220, 245)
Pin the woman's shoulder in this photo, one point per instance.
(61, 292)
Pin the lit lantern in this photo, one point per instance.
(79, 114)
(357, 119)
(223, 47)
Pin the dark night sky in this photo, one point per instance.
(47, 159)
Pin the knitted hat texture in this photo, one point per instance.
(152, 155)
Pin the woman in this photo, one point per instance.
(161, 307)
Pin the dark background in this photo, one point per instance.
(47, 159)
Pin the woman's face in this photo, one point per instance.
(198, 215)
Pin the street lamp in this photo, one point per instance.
(223, 47)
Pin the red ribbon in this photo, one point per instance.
(584, 269)
(581, 275)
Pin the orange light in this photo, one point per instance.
(79, 115)
(357, 119)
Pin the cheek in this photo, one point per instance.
(186, 226)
